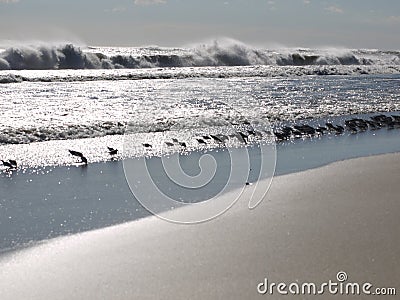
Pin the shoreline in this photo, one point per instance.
(49, 202)
(344, 218)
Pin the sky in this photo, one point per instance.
(291, 23)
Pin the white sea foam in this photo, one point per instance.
(217, 53)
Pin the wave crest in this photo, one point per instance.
(233, 53)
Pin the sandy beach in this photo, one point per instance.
(312, 225)
(160, 149)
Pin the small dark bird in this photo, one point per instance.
(373, 124)
(147, 145)
(112, 151)
(75, 153)
(244, 137)
(84, 160)
(183, 144)
(305, 129)
(321, 129)
(397, 118)
(80, 155)
(216, 138)
(7, 164)
(169, 144)
(281, 136)
(201, 141)
(287, 130)
(251, 132)
(13, 163)
(338, 129)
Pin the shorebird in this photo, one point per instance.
(397, 118)
(338, 129)
(281, 135)
(321, 129)
(147, 145)
(373, 124)
(13, 163)
(360, 123)
(75, 153)
(169, 144)
(183, 144)
(84, 160)
(305, 129)
(216, 138)
(206, 137)
(80, 155)
(175, 140)
(112, 151)
(244, 137)
(201, 141)
(287, 129)
(251, 132)
(384, 120)
(351, 125)
(7, 164)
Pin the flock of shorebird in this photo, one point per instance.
(354, 125)
(284, 133)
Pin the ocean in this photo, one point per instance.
(61, 93)
(153, 102)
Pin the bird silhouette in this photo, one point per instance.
(13, 163)
(244, 137)
(80, 155)
(216, 138)
(75, 153)
(201, 141)
(7, 164)
(84, 160)
(147, 145)
(112, 151)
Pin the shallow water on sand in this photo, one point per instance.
(42, 203)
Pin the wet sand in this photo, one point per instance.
(313, 224)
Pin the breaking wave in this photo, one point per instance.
(232, 53)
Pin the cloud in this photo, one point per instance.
(9, 1)
(271, 5)
(393, 19)
(149, 2)
(334, 9)
(306, 2)
(116, 9)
